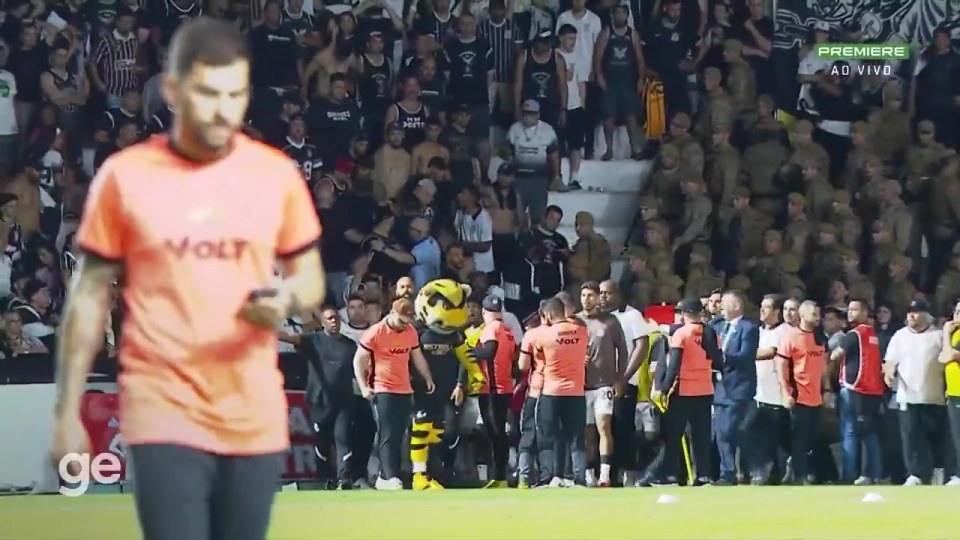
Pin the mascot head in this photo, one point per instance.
(441, 305)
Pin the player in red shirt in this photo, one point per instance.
(497, 350)
(195, 221)
(561, 413)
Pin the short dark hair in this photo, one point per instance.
(338, 77)
(205, 41)
(775, 298)
(863, 302)
(590, 286)
(553, 308)
(832, 311)
(567, 29)
(356, 297)
(553, 208)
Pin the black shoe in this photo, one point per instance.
(723, 482)
(704, 481)
(666, 482)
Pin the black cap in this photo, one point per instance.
(919, 305)
(690, 305)
(546, 35)
(395, 126)
(296, 117)
(493, 303)
(507, 168)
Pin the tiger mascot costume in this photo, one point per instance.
(441, 314)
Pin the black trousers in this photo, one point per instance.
(438, 409)
(392, 412)
(805, 432)
(683, 411)
(624, 430)
(187, 494)
(332, 421)
(953, 417)
(493, 411)
(769, 429)
(560, 423)
(924, 438)
(362, 433)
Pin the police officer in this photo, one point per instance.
(722, 172)
(803, 145)
(667, 290)
(761, 162)
(590, 257)
(843, 218)
(691, 152)
(819, 192)
(948, 286)
(741, 83)
(921, 163)
(701, 277)
(860, 146)
(695, 223)
(827, 262)
(761, 269)
(638, 281)
(883, 252)
(799, 230)
(899, 290)
(685, 390)
(666, 181)
(742, 233)
(890, 126)
(787, 273)
(717, 106)
(895, 214)
(860, 286)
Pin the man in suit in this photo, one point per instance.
(736, 382)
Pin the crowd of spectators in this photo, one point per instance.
(387, 109)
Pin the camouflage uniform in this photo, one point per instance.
(741, 82)
(590, 257)
(722, 171)
(799, 230)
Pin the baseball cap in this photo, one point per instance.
(506, 168)
(531, 105)
(821, 26)
(919, 305)
(493, 304)
(427, 185)
(690, 305)
(546, 35)
(395, 126)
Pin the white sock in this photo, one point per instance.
(575, 176)
(604, 472)
(419, 467)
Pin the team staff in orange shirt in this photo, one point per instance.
(687, 385)
(383, 358)
(531, 365)
(561, 410)
(801, 364)
(195, 221)
(497, 350)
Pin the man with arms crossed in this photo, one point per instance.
(801, 365)
(390, 345)
(636, 394)
(769, 423)
(195, 221)
(861, 396)
(606, 365)
(561, 409)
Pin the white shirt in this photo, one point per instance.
(768, 382)
(919, 374)
(8, 117)
(634, 326)
(810, 65)
(355, 334)
(476, 229)
(588, 30)
(577, 72)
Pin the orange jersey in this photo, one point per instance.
(194, 240)
(805, 362)
(503, 361)
(390, 356)
(564, 348)
(696, 369)
(528, 346)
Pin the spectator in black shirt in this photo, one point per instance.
(438, 22)
(376, 16)
(671, 59)
(275, 69)
(937, 87)
(552, 254)
(375, 242)
(424, 47)
(458, 263)
(336, 118)
(336, 249)
(470, 72)
(756, 34)
(27, 62)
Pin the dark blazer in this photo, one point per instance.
(737, 371)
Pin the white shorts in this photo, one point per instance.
(647, 420)
(599, 403)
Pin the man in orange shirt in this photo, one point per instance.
(561, 413)
(382, 368)
(531, 363)
(801, 364)
(195, 221)
(497, 350)
(687, 382)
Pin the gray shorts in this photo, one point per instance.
(620, 100)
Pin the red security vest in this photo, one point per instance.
(870, 375)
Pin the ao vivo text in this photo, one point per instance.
(101, 418)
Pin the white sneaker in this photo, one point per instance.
(863, 481)
(568, 483)
(954, 482)
(913, 481)
(557, 482)
(393, 484)
(361, 484)
(630, 479)
(591, 478)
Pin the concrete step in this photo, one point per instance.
(616, 175)
(615, 235)
(613, 209)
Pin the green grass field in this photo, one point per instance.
(730, 512)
